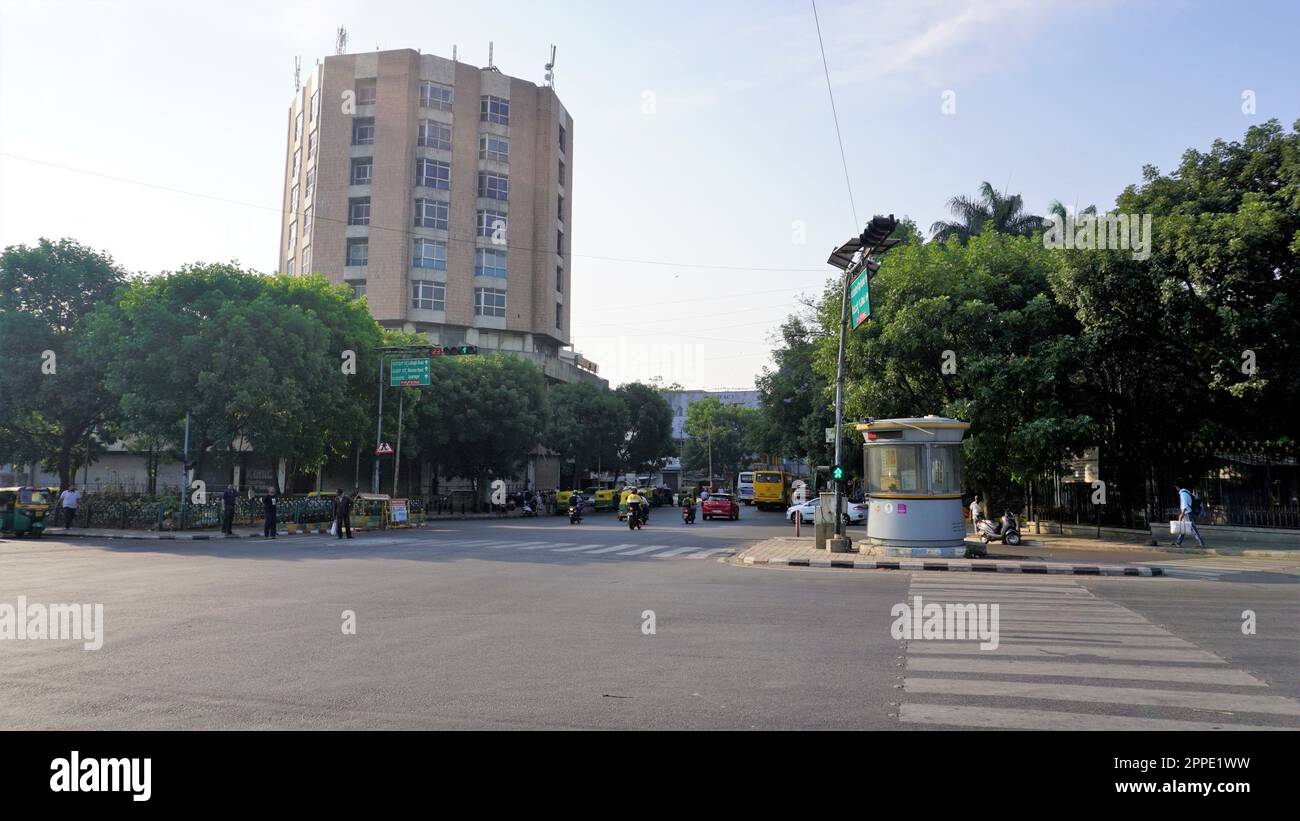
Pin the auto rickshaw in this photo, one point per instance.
(644, 493)
(562, 502)
(606, 498)
(24, 510)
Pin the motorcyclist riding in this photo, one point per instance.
(636, 505)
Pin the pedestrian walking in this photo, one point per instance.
(342, 513)
(69, 499)
(976, 512)
(228, 499)
(1189, 507)
(269, 502)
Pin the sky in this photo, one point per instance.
(708, 184)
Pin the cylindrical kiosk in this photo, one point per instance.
(913, 478)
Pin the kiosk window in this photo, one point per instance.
(945, 469)
(894, 469)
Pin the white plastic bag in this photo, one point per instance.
(1184, 527)
(334, 527)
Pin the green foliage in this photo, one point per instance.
(649, 436)
(48, 294)
(796, 405)
(585, 422)
(720, 439)
(991, 212)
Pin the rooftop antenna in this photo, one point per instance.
(453, 54)
(341, 41)
(550, 69)
(490, 63)
(297, 73)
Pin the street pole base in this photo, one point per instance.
(840, 544)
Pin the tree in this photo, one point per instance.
(250, 358)
(586, 422)
(493, 410)
(719, 436)
(796, 405)
(52, 387)
(649, 436)
(1004, 214)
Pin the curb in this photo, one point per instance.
(205, 537)
(992, 567)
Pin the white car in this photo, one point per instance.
(854, 512)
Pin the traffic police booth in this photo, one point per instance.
(913, 478)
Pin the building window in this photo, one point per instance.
(297, 128)
(288, 268)
(433, 174)
(359, 211)
(494, 110)
(311, 146)
(563, 138)
(366, 92)
(428, 295)
(491, 147)
(293, 199)
(434, 95)
(559, 316)
(358, 252)
(362, 169)
(311, 184)
(559, 278)
(493, 186)
(315, 106)
(559, 207)
(433, 135)
(489, 263)
(429, 253)
(297, 163)
(363, 131)
(358, 287)
(492, 225)
(489, 302)
(431, 214)
(306, 224)
(293, 237)
(559, 243)
(561, 172)
(306, 259)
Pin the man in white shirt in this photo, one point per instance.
(976, 510)
(69, 499)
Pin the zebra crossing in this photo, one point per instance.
(1216, 567)
(592, 548)
(1067, 659)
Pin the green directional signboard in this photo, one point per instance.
(405, 373)
(860, 298)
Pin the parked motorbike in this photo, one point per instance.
(1006, 531)
(688, 515)
(575, 515)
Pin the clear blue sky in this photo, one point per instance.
(1053, 100)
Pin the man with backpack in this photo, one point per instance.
(1189, 507)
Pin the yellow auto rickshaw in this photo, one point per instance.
(24, 510)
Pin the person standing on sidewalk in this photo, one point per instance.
(69, 499)
(228, 498)
(342, 513)
(1187, 513)
(976, 511)
(269, 525)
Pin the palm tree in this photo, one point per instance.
(1005, 213)
(1057, 209)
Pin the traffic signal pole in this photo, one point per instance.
(839, 399)
(379, 427)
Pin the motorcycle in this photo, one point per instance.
(1006, 531)
(636, 518)
(527, 510)
(688, 515)
(575, 515)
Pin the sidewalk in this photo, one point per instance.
(1053, 541)
(790, 551)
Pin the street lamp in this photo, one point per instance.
(854, 258)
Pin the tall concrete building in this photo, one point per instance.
(439, 191)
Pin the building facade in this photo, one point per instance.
(681, 401)
(439, 191)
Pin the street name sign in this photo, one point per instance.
(409, 373)
(860, 298)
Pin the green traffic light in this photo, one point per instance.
(839, 473)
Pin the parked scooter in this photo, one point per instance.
(575, 515)
(1006, 531)
(688, 514)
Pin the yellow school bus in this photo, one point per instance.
(771, 489)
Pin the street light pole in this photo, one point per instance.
(839, 398)
(379, 426)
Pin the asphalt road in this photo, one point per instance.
(537, 623)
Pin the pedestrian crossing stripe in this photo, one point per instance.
(1059, 662)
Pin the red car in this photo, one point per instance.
(720, 506)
